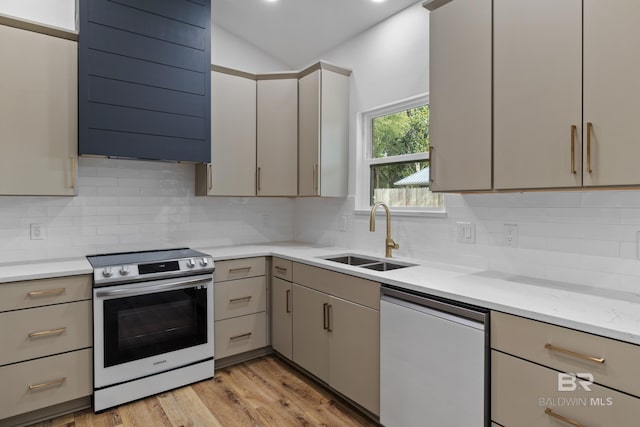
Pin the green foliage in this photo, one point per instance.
(406, 132)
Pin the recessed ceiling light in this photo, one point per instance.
(271, 1)
(378, 1)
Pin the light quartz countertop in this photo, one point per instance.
(608, 313)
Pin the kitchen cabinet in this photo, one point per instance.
(611, 92)
(460, 33)
(537, 89)
(323, 141)
(233, 137)
(144, 86)
(240, 312)
(281, 307)
(531, 380)
(47, 356)
(38, 110)
(336, 332)
(277, 136)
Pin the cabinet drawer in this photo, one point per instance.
(34, 293)
(240, 297)
(527, 339)
(354, 289)
(521, 392)
(240, 334)
(42, 331)
(239, 269)
(44, 382)
(282, 268)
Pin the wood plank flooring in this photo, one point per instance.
(259, 393)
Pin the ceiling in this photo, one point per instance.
(297, 32)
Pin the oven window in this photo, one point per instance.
(147, 325)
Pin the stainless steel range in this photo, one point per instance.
(153, 323)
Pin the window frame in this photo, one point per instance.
(365, 157)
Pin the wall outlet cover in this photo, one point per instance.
(465, 232)
(510, 235)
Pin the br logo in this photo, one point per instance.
(571, 382)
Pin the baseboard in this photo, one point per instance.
(242, 357)
(47, 413)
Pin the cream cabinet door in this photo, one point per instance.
(38, 113)
(537, 93)
(354, 352)
(310, 331)
(309, 134)
(281, 317)
(232, 171)
(611, 92)
(460, 95)
(277, 161)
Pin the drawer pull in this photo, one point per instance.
(239, 269)
(288, 296)
(330, 318)
(569, 421)
(573, 354)
(282, 270)
(237, 337)
(47, 292)
(47, 333)
(573, 149)
(47, 384)
(247, 298)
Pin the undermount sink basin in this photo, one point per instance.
(376, 264)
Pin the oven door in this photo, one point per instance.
(145, 328)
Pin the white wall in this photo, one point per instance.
(58, 13)
(585, 238)
(136, 205)
(231, 51)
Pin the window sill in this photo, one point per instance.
(403, 212)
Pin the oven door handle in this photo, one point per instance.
(148, 289)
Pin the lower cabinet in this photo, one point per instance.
(240, 306)
(527, 395)
(281, 317)
(545, 375)
(336, 339)
(44, 382)
(46, 358)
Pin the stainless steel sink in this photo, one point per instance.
(376, 264)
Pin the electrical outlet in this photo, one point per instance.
(36, 232)
(465, 232)
(510, 235)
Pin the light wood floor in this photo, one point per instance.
(261, 392)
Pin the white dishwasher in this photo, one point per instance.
(433, 362)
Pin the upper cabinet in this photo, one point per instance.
(233, 137)
(277, 147)
(565, 94)
(280, 134)
(38, 110)
(460, 94)
(537, 90)
(323, 120)
(611, 92)
(144, 79)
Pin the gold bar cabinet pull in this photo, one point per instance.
(325, 322)
(237, 337)
(73, 172)
(210, 168)
(569, 421)
(573, 148)
(41, 334)
(239, 269)
(247, 298)
(259, 185)
(47, 384)
(552, 347)
(288, 296)
(589, 129)
(329, 318)
(431, 164)
(47, 292)
(280, 269)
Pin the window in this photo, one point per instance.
(395, 168)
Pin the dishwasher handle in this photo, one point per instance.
(433, 306)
